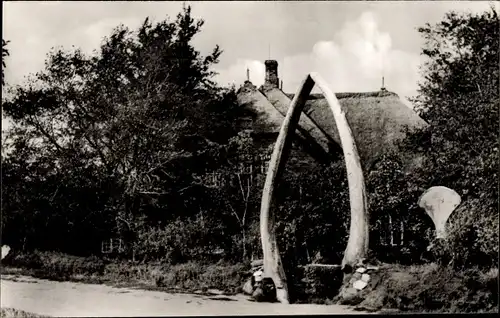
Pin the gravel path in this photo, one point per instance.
(69, 299)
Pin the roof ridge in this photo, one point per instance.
(351, 95)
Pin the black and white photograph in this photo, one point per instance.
(240, 158)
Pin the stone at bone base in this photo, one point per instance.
(359, 284)
(258, 293)
(349, 294)
(439, 202)
(365, 278)
(258, 274)
(248, 287)
(265, 290)
(5, 250)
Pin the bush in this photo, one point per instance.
(55, 265)
(188, 276)
(472, 236)
(16, 313)
(180, 241)
(434, 288)
(24, 260)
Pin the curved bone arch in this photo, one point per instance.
(357, 245)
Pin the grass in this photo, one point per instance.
(15, 313)
(187, 277)
(416, 288)
(430, 288)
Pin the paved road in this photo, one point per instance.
(75, 299)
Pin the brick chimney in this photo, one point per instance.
(272, 80)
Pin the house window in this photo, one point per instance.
(112, 245)
(213, 180)
(263, 162)
(245, 169)
(392, 232)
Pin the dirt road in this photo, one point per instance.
(75, 299)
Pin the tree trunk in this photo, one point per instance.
(391, 232)
(243, 232)
(402, 233)
(307, 253)
(358, 239)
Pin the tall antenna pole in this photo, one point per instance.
(248, 74)
(383, 69)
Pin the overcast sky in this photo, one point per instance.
(350, 43)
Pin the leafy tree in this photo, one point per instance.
(242, 177)
(458, 97)
(130, 122)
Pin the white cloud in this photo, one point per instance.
(91, 36)
(354, 59)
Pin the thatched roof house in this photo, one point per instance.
(377, 119)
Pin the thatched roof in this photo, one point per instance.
(377, 123)
(377, 119)
(307, 127)
(268, 119)
(268, 115)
